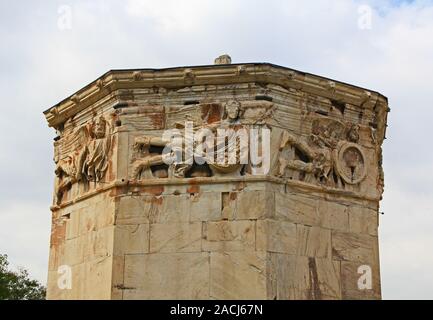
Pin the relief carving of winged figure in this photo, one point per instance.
(82, 156)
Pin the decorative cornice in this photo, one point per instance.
(179, 77)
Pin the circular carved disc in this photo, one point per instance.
(351, 162)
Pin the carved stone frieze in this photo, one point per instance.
(329, 156)
(233, 117)
(82, 156)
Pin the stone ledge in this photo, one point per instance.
(214, 180)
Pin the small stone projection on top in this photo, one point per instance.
(223, 59)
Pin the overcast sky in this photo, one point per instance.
(44, 57)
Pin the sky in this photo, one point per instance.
(50, 49)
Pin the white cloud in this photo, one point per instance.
(179, 16)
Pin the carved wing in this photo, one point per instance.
(332, 128)
(73, 142)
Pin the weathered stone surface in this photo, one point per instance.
(78, 285)
(229, 236)
(313, 241)
(228, 206)
(238, 275)
(276, 236)
(175, 208)
(363, 220)
(181, 275)
(53, 292)
(353, 247)
(253, 205)
(333, 215)
(98, 244)
(74, 251)
(137, 210)
(328, 277)
(297, 209)
(354, 287)
(311, 211)
(247, 204)
(98, 279)
(131, 239)
(56, 257)
(73, 226)
(118, 277)
(87, 218)
(175, 237)
(296, 277)
(205, 206)
(104, 213)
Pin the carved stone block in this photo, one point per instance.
(175, 237)
(238, 275)
(353, 247)
(229, 236)
(181, 275)
(296, 277)
(131, 239)
(276, 236)
(351, 273)
(313, 241)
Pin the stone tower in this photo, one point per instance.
(301, 223)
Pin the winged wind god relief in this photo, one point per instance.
(329, 156)
(232, 140)
(82, 157)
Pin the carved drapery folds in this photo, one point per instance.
(82, 156)
(329, 156)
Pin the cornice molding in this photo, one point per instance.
(179, 77)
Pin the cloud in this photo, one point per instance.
(171, 16)
(41, 64)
